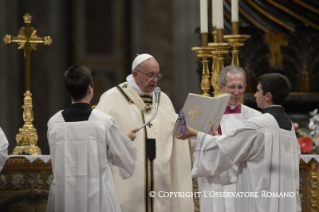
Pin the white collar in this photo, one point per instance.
(232, 107)
(131, 81)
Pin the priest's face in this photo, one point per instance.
(235, 85)
(145, 75)
(260, 98)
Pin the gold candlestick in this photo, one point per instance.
(204, 52)
(214, 75)
(219, 49)
(235, 41)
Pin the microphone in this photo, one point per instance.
(157, 92)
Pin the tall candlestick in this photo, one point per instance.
(220, 14)
(214, 12)
(234, 10)
(203, 16)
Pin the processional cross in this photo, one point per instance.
(27, 39)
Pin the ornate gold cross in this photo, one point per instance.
(194, 113)
(28, 40)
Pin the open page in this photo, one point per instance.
(202, 112)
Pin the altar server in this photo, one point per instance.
(163, 163)
(3, 149)
(265, 148)
(82, 144)
(232, 80)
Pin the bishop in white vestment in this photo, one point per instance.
(163, 162)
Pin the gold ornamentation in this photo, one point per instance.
(7, 39)
(275, 41)
(308, 185)
(204, 52)
(194, 113)
(219, 49)
(27, 18)
(304, 85)
(271, 17)
(27, 137)
(27, 39)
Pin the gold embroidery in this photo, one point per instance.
(194, 113)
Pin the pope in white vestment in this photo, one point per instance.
(163, 162)
(233, 118)
(80, 155)
(3, 149)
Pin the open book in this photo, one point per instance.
(201, 112)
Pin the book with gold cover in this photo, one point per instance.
(201, 112)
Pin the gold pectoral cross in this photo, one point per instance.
(28, 40)
(194, 113)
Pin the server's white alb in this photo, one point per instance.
(226, 181)
(268, 161)
(80, 156)
(3, 149)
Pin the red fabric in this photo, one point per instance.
(305, 144)
(237, 109)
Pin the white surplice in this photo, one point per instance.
(170, 171)
(267, 158)
(3, 149)
(226, 180)
(80, 155)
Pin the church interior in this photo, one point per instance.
(276, 37)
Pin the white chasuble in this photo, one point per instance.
(80, 155)
(232, 120)
(170, 171)
(267, 159)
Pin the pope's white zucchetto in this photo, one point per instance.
(140, 59)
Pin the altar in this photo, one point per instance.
(25, 182)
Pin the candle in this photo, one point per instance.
(219, 14)
(214, 12)
(203, 16)
(234, 10)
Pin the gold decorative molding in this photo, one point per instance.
(204, 52)
(302, 3)
(269, 16)
(27, 137)
(308, 187)
(24, 186)
(275, 40)
(304, 85)
(295, 15)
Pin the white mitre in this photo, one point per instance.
(140, 59)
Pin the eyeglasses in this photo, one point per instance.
(151, 75)
(232, 87)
